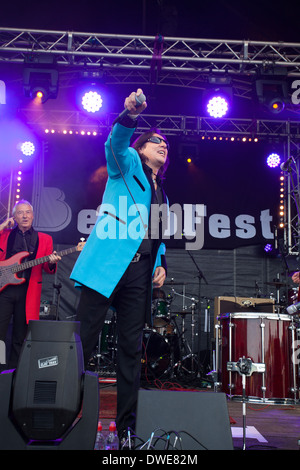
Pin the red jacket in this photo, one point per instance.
(33, 297)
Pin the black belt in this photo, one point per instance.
(138, 256)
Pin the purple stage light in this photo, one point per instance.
(217, 107)
(273, 160)
(268, 247)
(92, 101)
(27, 148)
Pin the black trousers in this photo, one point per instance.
(130, 299)
(12, 307)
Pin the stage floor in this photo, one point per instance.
(268, 426)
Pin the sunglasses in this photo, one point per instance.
(158, 140)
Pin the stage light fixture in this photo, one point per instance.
(271, 90)
(217, 107)
(92, 101)
(27, 148)
(40, 77)
(218, 96)
(273, 160)
(49, 402)
(268, 248)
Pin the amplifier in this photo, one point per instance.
(242, 304)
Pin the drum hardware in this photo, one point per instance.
(104, 359)
(266, 338)
(57, 287)
(245, 367)
(156, 354)
(189, 362)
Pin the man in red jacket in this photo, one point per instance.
(21, 301)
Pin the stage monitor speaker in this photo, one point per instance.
(199, 420)
(49, 390)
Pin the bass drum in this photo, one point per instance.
(267, 339)
(156, 354)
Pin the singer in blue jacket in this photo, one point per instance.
(124, 256)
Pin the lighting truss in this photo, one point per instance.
(292, 204)
(183, 62)
(6, 191)
(131, 59)
(117, 50)
(168, 124)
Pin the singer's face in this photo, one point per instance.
(156, 152)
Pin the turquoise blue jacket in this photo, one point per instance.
(122, 221)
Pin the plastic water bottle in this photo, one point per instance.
(112, 441)
(100, 439)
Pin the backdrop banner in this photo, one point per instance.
(227, 197)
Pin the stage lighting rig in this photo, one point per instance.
(271, 89)
(40, 77)
(91, 91)
(217, 98)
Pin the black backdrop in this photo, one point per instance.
(231, 180)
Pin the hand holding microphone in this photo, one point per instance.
(134, 104)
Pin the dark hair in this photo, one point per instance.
(142, 140)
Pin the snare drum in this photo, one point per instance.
(267, 339)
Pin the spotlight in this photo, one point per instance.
(27, 148)
(217, 107)
(92, 101)
(271, 90)
(40, 77)
(218, 96)
(273, 160)
(268, 248)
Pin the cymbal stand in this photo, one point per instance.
(57, 287)
(193, 307)
(104, 361)
(200, 276)
(185, 346)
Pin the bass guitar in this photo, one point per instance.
(10, 267)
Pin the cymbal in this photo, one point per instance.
(276, 284)
(172, 283)
(181, 313)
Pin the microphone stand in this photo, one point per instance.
(57, 287)
(200, 277)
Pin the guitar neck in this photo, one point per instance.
(35, 262)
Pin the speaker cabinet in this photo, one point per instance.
(199, 420)
(242, 304)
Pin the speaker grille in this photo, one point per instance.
(44, 393)
(43, 419)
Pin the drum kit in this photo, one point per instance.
(166, 351)
(257, 353)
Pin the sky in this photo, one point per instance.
(221, 19)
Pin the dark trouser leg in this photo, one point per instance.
(131, 303)
(91, 314)
(130, 300)
(12, 303)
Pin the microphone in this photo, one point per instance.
(285, 165)
(294, 308)
(139, 100)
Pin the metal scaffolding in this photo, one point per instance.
(139, 52)
(171, 61)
